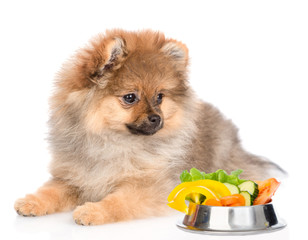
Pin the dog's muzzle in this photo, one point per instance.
(149, 126)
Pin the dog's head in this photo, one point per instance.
(129, 81)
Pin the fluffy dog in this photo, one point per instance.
(124, 124)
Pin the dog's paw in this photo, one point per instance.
(30, 206)
(90, 214)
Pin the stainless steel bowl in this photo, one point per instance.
(231, 220)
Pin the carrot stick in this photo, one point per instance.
(213, 202)
(235, 199)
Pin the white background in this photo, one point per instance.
(248, 58)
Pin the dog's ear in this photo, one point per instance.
(105, 56)
(177, 51)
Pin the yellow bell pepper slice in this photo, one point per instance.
(178, 203)
(209, 188)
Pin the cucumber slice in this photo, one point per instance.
(250, 187)
(232, 188)
(248, 198)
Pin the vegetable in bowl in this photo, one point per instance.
(220, 189)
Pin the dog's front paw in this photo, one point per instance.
(30, 206)
(90, 214)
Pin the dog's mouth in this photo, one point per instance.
(148, 127)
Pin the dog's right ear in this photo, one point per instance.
(103, 58)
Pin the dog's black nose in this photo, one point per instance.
(154, 119)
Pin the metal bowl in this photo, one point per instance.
(231, 220)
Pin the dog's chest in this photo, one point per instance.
(108, 162)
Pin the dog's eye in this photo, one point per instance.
(130, 98)
(160, 98)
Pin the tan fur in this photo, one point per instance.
(106, 113)
(109, 158)
(54, 196)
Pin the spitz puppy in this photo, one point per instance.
(124, 124)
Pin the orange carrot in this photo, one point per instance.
(235, 205)
(241, 199)
(233, 200)
(213, 202)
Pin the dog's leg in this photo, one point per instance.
(124, 204)
(54, 196)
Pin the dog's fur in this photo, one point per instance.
(112, 162)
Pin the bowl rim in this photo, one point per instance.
(227, 207)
